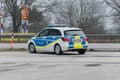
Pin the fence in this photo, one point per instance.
(104, 38)
(97, 38)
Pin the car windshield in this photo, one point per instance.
(73, 33)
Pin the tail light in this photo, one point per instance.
(85, 39)
(66, 39)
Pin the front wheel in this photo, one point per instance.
(57, 50)
(82, 51)
(32, 48)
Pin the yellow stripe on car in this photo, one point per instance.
(39, 47)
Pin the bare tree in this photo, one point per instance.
(14, 7)
(66, 13)
(41, 7)
(40, 14)
(86, 14)
(37, 21)
(91, 16)
(115, 4)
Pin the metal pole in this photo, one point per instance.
(0, 25)
(1, 17)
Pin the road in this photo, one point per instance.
(70, 66)
(91, 45)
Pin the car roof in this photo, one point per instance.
(63, 28)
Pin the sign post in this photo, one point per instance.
(1, 25)
(25, 17)
(12, 41)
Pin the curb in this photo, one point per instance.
(11, 49)
(89, 50)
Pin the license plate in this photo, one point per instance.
(77, 41)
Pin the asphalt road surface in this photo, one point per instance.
(91, 45)
(70, 66)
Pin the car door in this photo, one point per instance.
(52, 37)
(40, 40)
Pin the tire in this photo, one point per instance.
(58, 50)
(82, 51)
(32, 48)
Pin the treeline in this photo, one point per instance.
(90, 15)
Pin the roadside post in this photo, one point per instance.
(12, 41)
(2, 13)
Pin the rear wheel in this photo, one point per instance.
(82, 51)
(32, 48)
(58, 50)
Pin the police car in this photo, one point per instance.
(59, 39)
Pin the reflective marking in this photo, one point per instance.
(38, 47)
(77, 45)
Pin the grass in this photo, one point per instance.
(11, 49)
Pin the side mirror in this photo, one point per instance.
(37, 35)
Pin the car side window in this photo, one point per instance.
(54, 32)
(43, 33)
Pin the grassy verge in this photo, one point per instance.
(10, 49)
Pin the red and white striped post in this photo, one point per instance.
(12, 41)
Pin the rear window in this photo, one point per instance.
(73, 33)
